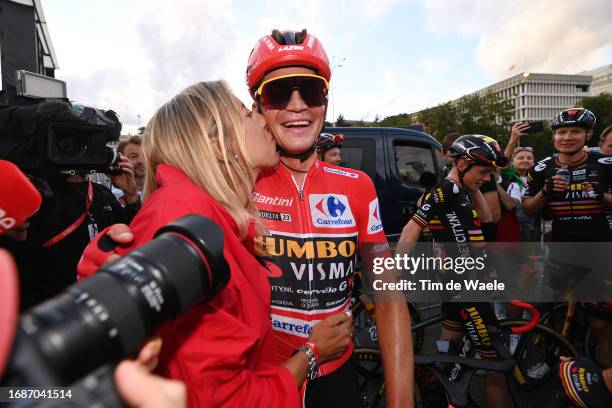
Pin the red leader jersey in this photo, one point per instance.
(223, 350)
(313, 233)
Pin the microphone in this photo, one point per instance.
(9, 306)
(19, 199)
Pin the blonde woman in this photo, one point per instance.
(203, 151)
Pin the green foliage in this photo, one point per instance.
(141, 130)
(601, 106)
(394, 121)
(477, 114)
(341, 122)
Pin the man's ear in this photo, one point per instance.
(589, 134)
(460, 164)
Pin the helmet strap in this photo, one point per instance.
(463, 172)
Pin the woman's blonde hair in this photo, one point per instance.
(201, 132)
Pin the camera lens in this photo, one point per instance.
(71, 146)
(108, 316)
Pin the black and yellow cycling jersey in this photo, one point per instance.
(449, 215)
(578, 215)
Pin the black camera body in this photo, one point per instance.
(54, 138)
(76, 338)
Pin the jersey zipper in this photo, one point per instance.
(305, 230)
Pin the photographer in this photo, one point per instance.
(58, 144)
(132, 150)
(19, 200)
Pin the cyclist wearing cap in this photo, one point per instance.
(328, 148)
(317, 216)
(454, 212)
(577, 204)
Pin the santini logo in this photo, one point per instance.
(331, 211)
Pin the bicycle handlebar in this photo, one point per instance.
(533, 322)
(476, 363)
(506, 363)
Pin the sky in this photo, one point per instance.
(388, 56)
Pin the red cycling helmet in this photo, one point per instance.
(327, 141)
(286, 49)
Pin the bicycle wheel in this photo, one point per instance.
(366, 335)
(537, 354)
(371, 380)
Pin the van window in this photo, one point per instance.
(412, 161)
(359, 154)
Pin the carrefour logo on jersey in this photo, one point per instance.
(374, 224)
(331, 211)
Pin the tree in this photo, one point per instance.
(141, 130)
(395, 120)
(341, 122)
(601, 106)
(477, 114)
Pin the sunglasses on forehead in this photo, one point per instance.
(276, 93)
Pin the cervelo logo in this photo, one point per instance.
(6, 222)
(374, 223)
(331, 211)
(291, 48)
(341, 172)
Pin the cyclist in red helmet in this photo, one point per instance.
(328, 148)
(317, 216)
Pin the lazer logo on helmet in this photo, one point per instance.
(291, 48)
(331, 211)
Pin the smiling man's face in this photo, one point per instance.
(297, 126)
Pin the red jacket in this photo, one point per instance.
(223, 350)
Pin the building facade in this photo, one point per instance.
(539, 96)
(602, 80)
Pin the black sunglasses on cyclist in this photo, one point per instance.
(276, 93)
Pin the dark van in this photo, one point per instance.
(395, 159)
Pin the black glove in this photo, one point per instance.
(584, 384)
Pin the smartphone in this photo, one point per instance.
(536, 126)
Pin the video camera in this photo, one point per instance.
(76, 338)
(49, 137)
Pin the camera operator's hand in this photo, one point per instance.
(332, 336)
(102, 249)
(126, 181)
